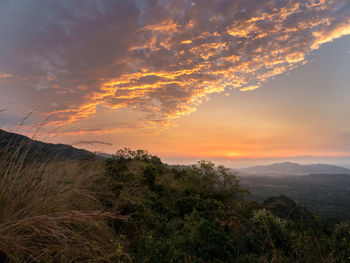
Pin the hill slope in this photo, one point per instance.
(288, 168)
(12, 143)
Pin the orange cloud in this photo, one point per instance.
(5, 76)
(250, 88)
(168, 26)
(165, 58)
(328, 35)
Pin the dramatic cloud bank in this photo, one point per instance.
(162, 59)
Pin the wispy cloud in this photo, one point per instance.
(249, 88)
(161, 58)
(79, 143)
(5, 76)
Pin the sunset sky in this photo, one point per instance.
(238, 82)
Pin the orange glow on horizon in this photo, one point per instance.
(260, 155)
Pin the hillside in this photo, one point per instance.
(289, 168)
(16, 144)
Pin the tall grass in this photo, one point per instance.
(49, 211)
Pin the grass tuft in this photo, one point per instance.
(49, 211)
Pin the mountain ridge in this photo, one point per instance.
(290, 168)
(33, 149)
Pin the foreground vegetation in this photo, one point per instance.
(134, 208)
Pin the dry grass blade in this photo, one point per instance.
(71, 235)
(49, 211)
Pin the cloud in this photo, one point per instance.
(159, 58)
(5, 76)
(249, 88)
(79, 143)
(111, 127)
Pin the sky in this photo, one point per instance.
(239, 82)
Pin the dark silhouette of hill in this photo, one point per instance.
(288, 168)
(12, 145)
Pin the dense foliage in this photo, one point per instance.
(326, 194)
(198, 214)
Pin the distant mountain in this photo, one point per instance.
(14, 145)
(327, 169)
(288, 168)
(105, 155)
